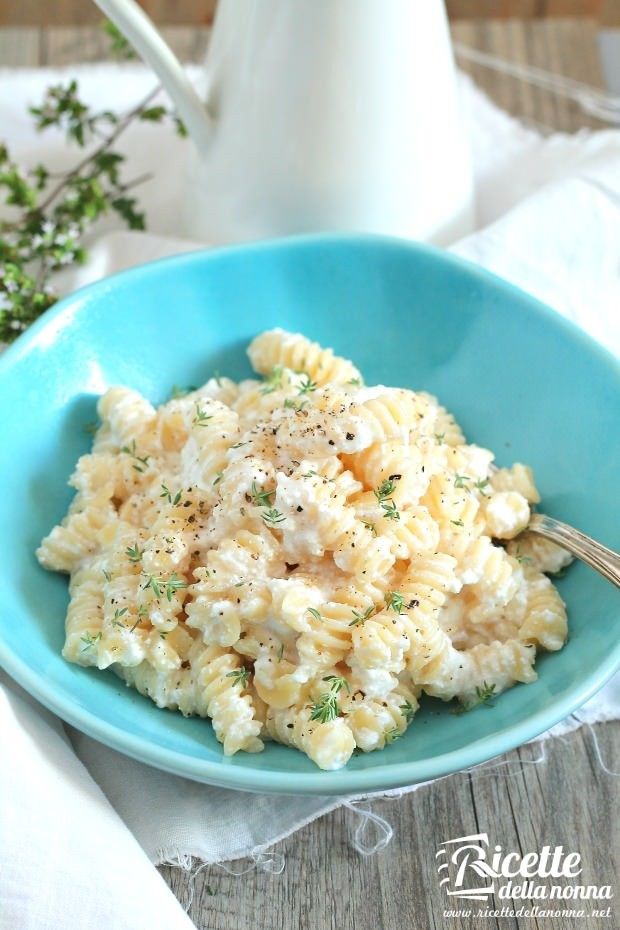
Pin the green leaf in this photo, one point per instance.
(126, 209)
(152, 114)
(119, 46)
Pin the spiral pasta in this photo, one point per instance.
(299, 557)
(291, 350)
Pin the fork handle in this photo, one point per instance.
(603, 560)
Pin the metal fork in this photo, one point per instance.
(603, 560)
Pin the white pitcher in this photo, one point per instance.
(337, 115)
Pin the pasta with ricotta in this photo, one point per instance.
(299, 557)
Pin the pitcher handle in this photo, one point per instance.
(148, 42)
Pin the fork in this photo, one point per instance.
(603, 560)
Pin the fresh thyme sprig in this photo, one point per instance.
(202, 417)
(326, 708)
(297, 405)
(176, 391)
(314, 613)
(49, 212)
(142, 460)
(261, 498)
(484, 696)
(240, 676)
(360, 618)
(116, 620)
(273, 381)
(337, 683)
(307, 385)
(161, 586)
(384, 498)
(134, 553)
(460, 481)
(394, 601)
(392, 735)
(168, 495)
(89, 640)
(407, 711)
(272, 517)
(390, 511)
(385, 490)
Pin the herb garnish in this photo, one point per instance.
(359, 619)
(484, 695)
(384, 497)
(337, 683)
(240, 676)
(385, 490)
(116, 620)
(176, 391)
(134, 554)
(160, 586)
(131, 450)
(394, 601)
(326, 708)
(261, 498)
(202, 417)
(297, 405)
(307, 386)
(273, 381)
(272, 517)
(168, 495)
(89, 640)
(390, 511)
(392, 735)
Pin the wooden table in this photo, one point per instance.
(566, 800)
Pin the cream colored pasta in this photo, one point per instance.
(300, 557)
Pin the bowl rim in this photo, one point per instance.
(380, 777)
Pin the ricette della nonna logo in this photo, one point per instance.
(471, 869)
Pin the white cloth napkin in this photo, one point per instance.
(79, 822)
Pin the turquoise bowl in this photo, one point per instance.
(520, 379)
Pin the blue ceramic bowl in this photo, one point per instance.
(520, 380)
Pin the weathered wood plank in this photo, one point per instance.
(200, 12)
(565, 47)
(566, 800)
(65, 45)
(20, 47)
